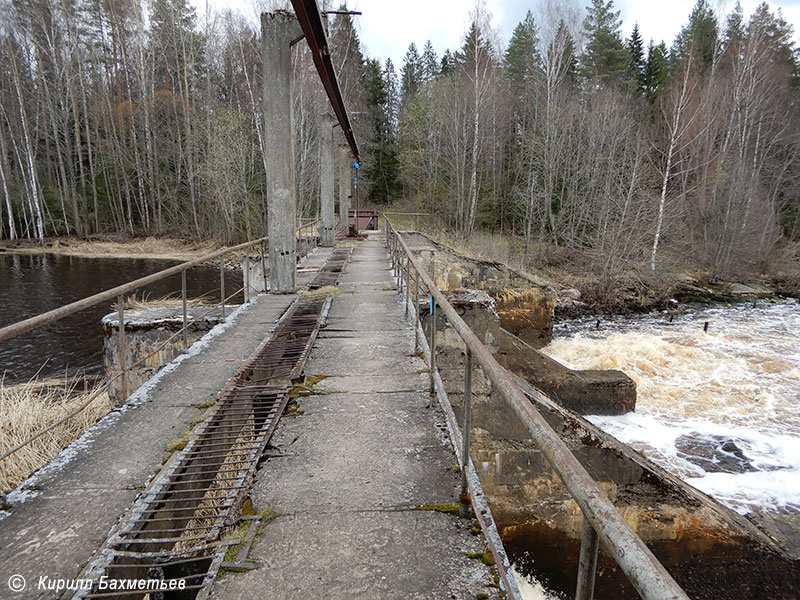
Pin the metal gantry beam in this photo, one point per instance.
(311, 23)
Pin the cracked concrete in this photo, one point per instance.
(365, 452)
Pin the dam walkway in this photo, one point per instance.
(359, 478)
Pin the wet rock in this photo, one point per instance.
(748, 290)
(713, 454)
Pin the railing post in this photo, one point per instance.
(246, 275)
(465, 501)
(222, 284)
(433, 341)
(123, 386)
(185, 316)
(400, 272)
(433, 329)
(416, 311)
(264, 267)
(408, 281)
(587, 564)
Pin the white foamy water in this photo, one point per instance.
(530, 588)
(739, 382)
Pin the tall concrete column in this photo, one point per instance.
(327, 231)
(278, 31)
(345, 185)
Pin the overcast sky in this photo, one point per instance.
(387, 28)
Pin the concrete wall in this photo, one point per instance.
(145, 330)
(525, 306)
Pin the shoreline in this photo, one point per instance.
(151, 247)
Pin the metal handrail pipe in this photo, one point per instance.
(304, 225)
(48, 317)
(642, 568)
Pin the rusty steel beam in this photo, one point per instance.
(634, 558)
(311, 22)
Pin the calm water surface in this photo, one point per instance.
(33, 284)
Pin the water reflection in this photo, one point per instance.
(33, 284)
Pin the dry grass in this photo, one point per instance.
(144, 301)
(30, 407)
(151, 247)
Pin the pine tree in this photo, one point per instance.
(605, 59)
(429, 62)
(410, 73)
(636, 64)
(700, 37)
(734, 28)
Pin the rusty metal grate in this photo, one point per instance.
(173, 531)
(329, 273)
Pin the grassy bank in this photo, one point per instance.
(30, 407)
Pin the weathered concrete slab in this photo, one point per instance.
(356, 462)
(368, 554)
(71, 504)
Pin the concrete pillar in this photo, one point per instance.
(345, 183)
(327, 229)
(279, 30)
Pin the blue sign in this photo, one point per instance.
(355, 164)
(355, 180)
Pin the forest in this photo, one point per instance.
(144, 117)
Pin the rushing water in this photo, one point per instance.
(33, 284)
(720, 409)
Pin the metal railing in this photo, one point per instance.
(601, 520)
(415, 217)
(304, 233)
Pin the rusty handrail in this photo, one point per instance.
(15, 329)
(312, 223)
(642, 568)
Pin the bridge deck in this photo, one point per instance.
(72, 503)
(358, 460)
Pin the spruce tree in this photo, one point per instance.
(448, 63)
(392, 87)
(522, 58)
(381, 172)
(429, 63)
(655, 71)
(411, 73)
(605, 59)
(636, 64)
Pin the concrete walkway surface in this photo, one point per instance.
(71, 504)
(363, 454)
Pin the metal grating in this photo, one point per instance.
(329, 273)
(172, 533)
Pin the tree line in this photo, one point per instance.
(574, 138)
(142, 116)
(138, 117)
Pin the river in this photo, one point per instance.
(33, 284)
(718, 408)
